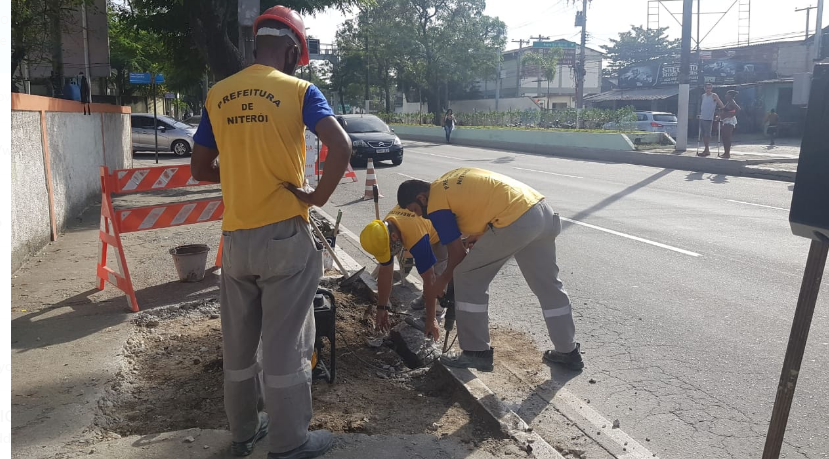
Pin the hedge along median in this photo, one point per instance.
(595, 146)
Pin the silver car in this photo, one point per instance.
(656, 122)
(173, 135)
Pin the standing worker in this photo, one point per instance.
(729, 122)
(254, 121)
(707, 108)
(402, 229)
(504, 218)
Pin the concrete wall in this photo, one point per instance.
(76, 145)
(30, 224)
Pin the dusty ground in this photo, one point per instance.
(174, 359)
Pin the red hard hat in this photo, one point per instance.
(291, 19)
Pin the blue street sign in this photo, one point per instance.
(554, 44)
(140, 78)
(145, 78)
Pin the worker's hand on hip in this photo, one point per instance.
(431, 329)
(304, 196)
(381, 320)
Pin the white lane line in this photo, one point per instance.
(440, 156)
(758, 205)
(410, 176)
(545, 172)
(635, 238)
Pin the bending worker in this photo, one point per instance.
(402, 229)
(254, 121)
(505, 218)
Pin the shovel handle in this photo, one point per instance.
(328, 247)
(375, 192)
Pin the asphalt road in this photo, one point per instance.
(683, 284)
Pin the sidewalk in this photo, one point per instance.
(72, 344)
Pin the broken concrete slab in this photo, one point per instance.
(413, 347)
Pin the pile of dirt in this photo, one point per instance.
(172, 379)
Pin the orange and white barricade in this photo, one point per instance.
(115, 222)
(349, 171)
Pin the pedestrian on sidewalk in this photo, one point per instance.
(254, 121)
(771, 125)
(729, 122)
(504, 218)
(386, 239)
(448, 124)
(707, 108)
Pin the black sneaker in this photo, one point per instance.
(318, 443)
(479, 360)
(245, 448)
(571, 360)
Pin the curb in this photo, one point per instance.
(734, 167)
(509, 422)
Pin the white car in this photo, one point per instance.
(650, 122)
(173, 135)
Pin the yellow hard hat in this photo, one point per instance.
(375, 240)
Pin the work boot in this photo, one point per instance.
(479, 360)
(245, 448)
(318, 443)
(571, 360)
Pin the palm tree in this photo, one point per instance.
(546, 61)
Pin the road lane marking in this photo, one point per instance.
(758, 205)
(440, 156)
(634, 238)
(409, 176)
(545, 172)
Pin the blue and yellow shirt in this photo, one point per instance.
(467, 200)
(418, 236)
(256, 118)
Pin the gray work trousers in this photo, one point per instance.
(532, 241)
(268, 281)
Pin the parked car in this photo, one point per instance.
(651, 122)
(371, 138)
(173, 135)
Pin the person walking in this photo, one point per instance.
(504, 218)
(729, 122)
(707, 109)
(254, 122)
(387, 238)
(448, 124)
(771, 125)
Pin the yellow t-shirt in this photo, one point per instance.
(478, 197)
(411, 227)
(256, 117)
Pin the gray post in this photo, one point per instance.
(684, 77)
(819, 30)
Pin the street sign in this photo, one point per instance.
(140, 78)
(554, 44)
(145, 78)
(169, 95)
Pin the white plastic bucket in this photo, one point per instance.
(190, 261)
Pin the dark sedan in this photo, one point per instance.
(372, 138)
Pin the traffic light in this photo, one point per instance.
(313, 46)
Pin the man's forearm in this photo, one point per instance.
(384, 283)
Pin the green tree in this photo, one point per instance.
(206, 31)
(545, 63)
(640, 45)
(34, 24)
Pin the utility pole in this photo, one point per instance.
(819, 30)
(580, 67)
(519, 65)
(498, 82)
(808, 10)
(365, 27)
(684, 76)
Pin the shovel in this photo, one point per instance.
(346, 279)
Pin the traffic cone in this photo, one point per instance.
(371, 180)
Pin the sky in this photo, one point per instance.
(770, 20)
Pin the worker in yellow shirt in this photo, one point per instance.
(505, 218)
(402, 229)
(254, 121)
